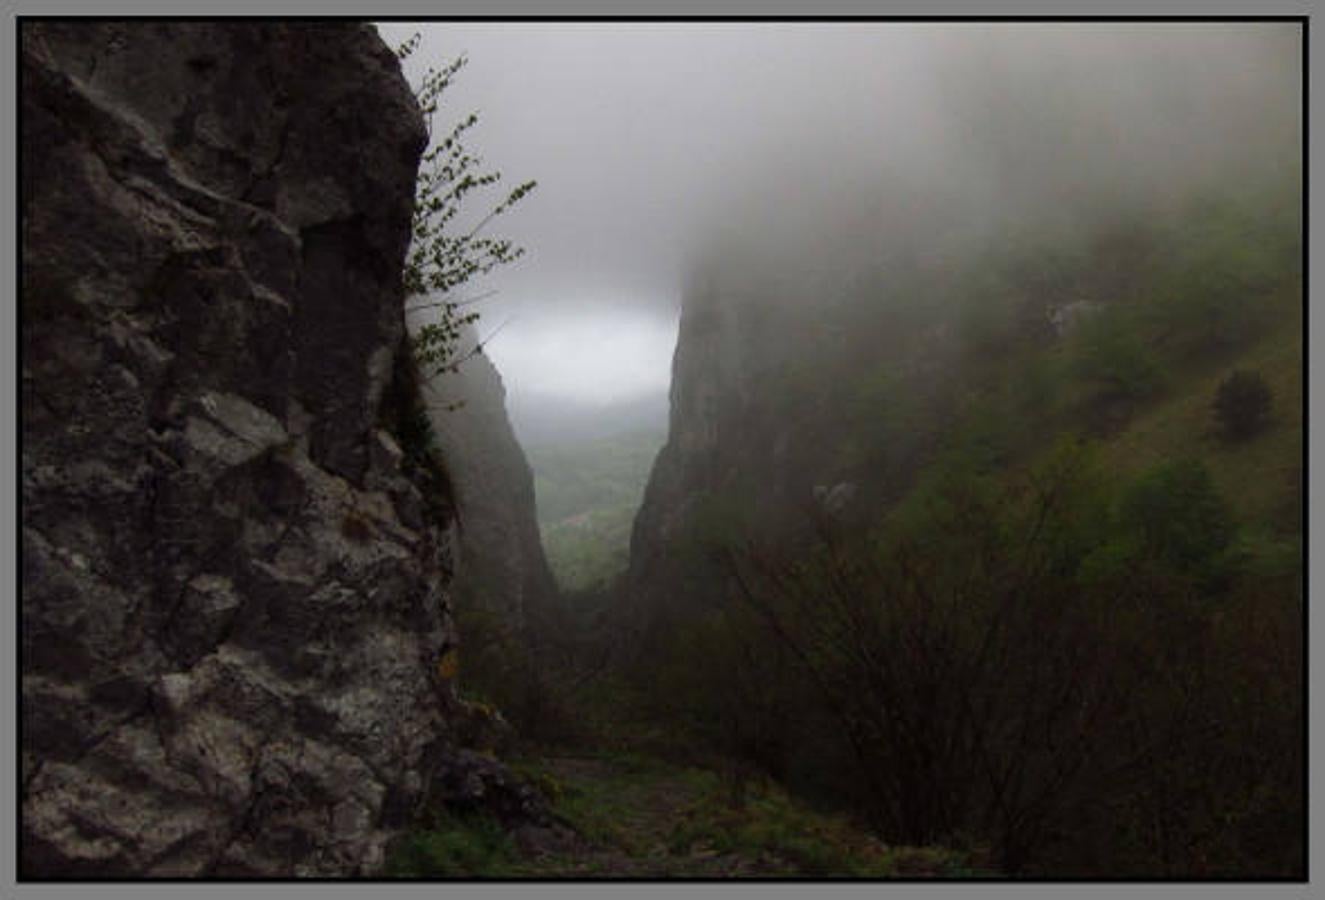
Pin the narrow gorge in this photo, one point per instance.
(968, 541)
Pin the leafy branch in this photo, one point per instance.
(442, 258)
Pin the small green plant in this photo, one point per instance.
(1242, 404)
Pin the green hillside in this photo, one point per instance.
(1262, 477)
(587, 494)
(588, 550)
(1062, 615)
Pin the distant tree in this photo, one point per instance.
(1242, 404)
(442, 256)
(1179, 516)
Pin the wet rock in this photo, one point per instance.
(467, 781)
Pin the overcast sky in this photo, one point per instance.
(649, 141)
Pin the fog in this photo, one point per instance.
(659, 148)
(601, 354)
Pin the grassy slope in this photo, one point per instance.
(587, 551)
(1260, 477)
(574, 478)
(587, 497)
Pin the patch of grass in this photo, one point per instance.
(599, 807)
(454, 847)
(589, 810)
(614, 801)
(771, 824)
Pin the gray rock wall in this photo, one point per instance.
(725, 453)
(230, 635)
(501, 567)
(765, 403)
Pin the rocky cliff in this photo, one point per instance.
(233, 608)
(768, 417)
(502, 571)
(729, 456)
(708, 396)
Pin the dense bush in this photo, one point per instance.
(989, 680)
(1177, 517)
(1242, 404)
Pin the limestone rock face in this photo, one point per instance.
(767, 421)
(501, 565)
(230, 633)
(724, 450)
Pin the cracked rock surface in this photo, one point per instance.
(230, 633)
